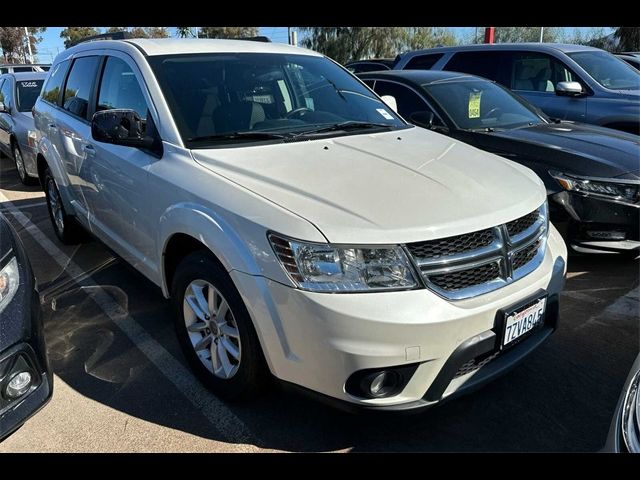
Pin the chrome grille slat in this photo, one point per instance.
(470, 264)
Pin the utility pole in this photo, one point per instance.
(26, 32)
(541, 33)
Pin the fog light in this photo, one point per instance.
(604, 235)
(19, 385)
(383, 383)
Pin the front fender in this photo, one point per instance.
(247, 251)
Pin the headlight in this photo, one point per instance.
(622, 190)
(32, 138)
(330, 268)
(631, 415)
(9, 280)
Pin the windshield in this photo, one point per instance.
(28, 91)
(474, 104)
(215, 97)
(607, 70)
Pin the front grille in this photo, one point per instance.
(474, 364)
(470, 264)
(444, 247)
(524, 256)
(521, 224)
(467, 278)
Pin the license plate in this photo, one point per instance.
(521, 321)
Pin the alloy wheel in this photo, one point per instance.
(20, 164)
(56, 205)
(212, 329)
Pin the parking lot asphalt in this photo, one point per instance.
(122, 385)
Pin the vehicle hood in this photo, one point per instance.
(585, 149)
(391, 187)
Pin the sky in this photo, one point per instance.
(52, 44)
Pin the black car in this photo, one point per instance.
(592, 173)
(632, 58)
(371, 65)
(26, 382)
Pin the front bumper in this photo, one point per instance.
(317, 341)
(14, 413)
(592, 224)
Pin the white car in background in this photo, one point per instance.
(298, 224)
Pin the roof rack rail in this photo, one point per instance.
(260, 38)
(103, 36)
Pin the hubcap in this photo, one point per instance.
(19, 164)
(56, 205)
(212, 329)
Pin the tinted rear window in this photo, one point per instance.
(423, 62)
(484, 64)
(28, 91)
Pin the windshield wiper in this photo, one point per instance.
(345, 126)
(239, 135)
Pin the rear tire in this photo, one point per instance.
(20, 167)
(215, 330)
(66, 227)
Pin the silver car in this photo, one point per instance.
(568, 82)
(18, 94)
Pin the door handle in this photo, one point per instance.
(90, 151)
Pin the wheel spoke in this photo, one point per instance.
(223, 308)
(197, 327)
(193, 303)
(224, 360)
(215, 360)
(202, 344)
(229, 330)
(211, 299)
(198, 292)
(230, 348)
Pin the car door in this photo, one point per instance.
(117, 174)
(5, 117)
(534, 75)
(73, 130)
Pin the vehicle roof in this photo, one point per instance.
(530, 46)
(373, 60)
(421, 77)
(169, 46)
(25, 64)
(28, 75)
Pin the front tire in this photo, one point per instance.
(215, 330)
(66, 227)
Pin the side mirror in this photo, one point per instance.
(121, 127)
(422, 119)
(3, 108)
(391, 102)
(569, 89)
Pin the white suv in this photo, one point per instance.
(298, 224)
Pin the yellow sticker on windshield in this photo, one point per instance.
(474, 104)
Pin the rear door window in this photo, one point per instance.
(481, 63)
(423, 62)
(51, 91)
(6, 96)
(79, 85)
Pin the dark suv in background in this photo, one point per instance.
(568, 82)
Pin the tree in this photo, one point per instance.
(520, 34)
(355, 43)
(227, 32)
(14, 46)
(142, 32)
(73, 34)
(593, 37)
(184, 32)
(628, 39)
